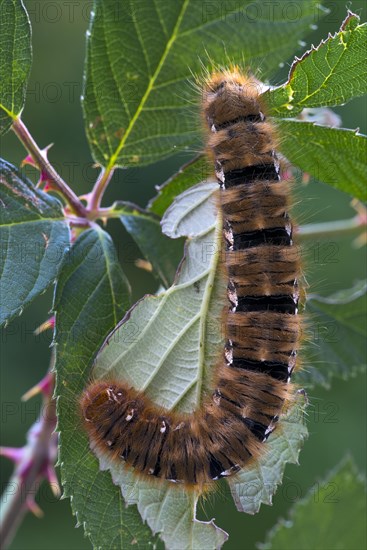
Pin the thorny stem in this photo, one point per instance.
(47, 169)
(35, 460)
(93, 211)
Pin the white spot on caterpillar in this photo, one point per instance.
(111, 395)
(179, 426)
(130, 415)
(216, 397)
(228, 472)
(268, 430)
(228, 352)
(163, 427)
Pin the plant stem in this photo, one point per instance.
(339, 227)
(47, 169)
(99, 188)
(25, 481)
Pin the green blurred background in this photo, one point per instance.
(336, 417)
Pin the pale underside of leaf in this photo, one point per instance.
(172, 341)
(257, 483)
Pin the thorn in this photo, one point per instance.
(53, 481)
(44, 386)
(306, 178)
(28, 160)
(15, 454)
(44, 152)
(49, 324)
(361, 210)
(34, 508)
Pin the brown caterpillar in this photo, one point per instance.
(251, 380)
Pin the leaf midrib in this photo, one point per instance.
(152, 80)
(331, 72)
(37, 220)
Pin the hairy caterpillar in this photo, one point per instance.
(251, 379)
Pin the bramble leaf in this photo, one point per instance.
(336, 344)
(331, 74)
(332, 155)
(188, 315)
(257, 484)
(92, 295)
(34, 236)
(141, 56)
(16, 59)
(332, 515)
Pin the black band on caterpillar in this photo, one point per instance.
(251, 383)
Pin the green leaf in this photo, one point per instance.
(164, 254)
(257, 484)
(16, 59)
(92, 295)
(331, 74)
(34, 235)
(141, 56)
(332, 155)
(335, 342)
(332, 515)
(198, 169)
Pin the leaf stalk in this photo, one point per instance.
(41, 162)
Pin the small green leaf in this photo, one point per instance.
(91, 296)
(34, 235)
(335, 345)
(141, 55)
(257, 483)
(333, 155)
(332, 515)
(16, 59)
(331, 74)
(198, 169)
(164, 254)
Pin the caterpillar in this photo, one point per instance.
(251, 381)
